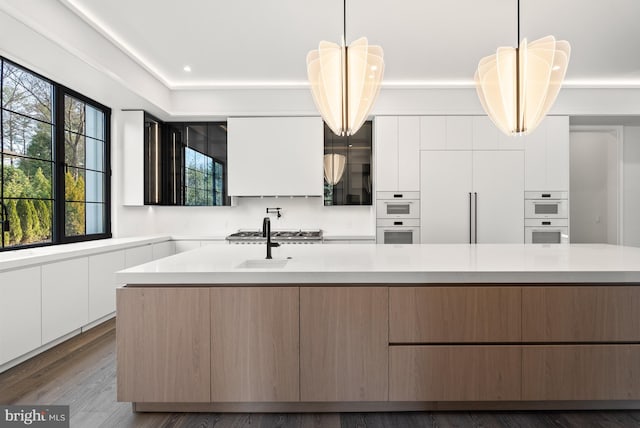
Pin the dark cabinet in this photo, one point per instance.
(347, 167)
(185, 163)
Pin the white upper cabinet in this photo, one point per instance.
(133, 160)
(275, 156)
(386, 149)
(486, 136)
(433, 133)
(547, 156)
(459, 132)
(446, 133)
(397, 146)
(409, 153)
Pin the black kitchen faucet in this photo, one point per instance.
(266, 233)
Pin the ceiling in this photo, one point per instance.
(427, 43)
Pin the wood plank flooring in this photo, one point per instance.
(81, 373)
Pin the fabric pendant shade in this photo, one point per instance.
(345, 82)
(334, 168)
(518, 86)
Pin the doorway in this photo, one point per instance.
(595, 183)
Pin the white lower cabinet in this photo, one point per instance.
(472, 196)
(65, 293)
(20, 313)
(163, 249)
(138, 255)
(182, 246)
(102, 283)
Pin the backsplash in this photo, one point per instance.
(297, 213)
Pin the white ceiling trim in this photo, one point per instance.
(144, 62)
(116, 40)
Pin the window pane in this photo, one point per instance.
(74, 218)
(29, 222)
(26, 178)
(94, 123)
(74, 149)
(74, 115)
(74, 185)
(95, 154)
(25, 93)
(95, 186)
(24, 136)
(95, 215)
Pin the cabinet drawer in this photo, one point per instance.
(581, 372)
(454, 373)
(581, 314)
(454, 314)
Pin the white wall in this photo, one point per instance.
(297, 213)
(631, 162)
(594, 187)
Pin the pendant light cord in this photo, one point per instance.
(344, 20)
(518, 11)
(519, 125)
(345, 115)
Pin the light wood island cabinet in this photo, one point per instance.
(344, 343)
(163, 344)
(255, 344)
(378, 347)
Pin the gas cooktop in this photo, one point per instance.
(282, 236)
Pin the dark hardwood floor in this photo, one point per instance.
(81, 373)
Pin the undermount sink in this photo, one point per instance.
(263, 263)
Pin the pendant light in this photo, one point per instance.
(345, 80)
(518, 86)
(334, 167)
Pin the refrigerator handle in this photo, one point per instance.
(470, 214)
(475, 217)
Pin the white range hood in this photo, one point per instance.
(275, 156)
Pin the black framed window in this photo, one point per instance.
(54, 160)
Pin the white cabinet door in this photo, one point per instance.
(535, 152)
(433, 133)
(485, 134)
(138, 255)
(557, 153)
(65, 296)
(459, 132)
(20, 313)
(163, 249)
(182, 246)
(133, 163)
(275, 156)
(409, 153)
(498, 181)
(547, 156)
(102, 283)
(445, 183)
(386, 137)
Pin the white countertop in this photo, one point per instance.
(388, 264)
(39, 255)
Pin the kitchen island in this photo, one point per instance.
(382, 327)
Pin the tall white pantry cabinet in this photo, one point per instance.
(471, 177)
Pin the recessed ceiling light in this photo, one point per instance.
(187, 68)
